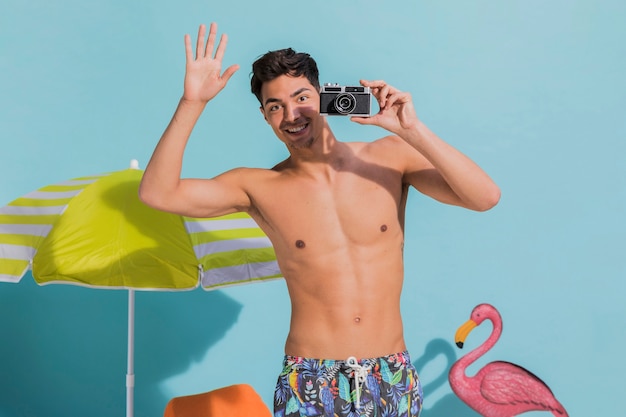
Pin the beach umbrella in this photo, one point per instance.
(94, 231)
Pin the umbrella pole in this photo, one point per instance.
(130, 375)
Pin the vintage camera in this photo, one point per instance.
(337, 100)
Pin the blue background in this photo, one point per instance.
(534, 91)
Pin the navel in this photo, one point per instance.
(357, 319)
(383, 228)
(300, 244)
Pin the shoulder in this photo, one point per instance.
(281, 166)
(388, 147)
(393, 151)
(389, 143)
(244, 177)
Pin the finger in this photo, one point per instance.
(398, 97)
(380, 94)
(390, 97)
(221, 48)
(229, 72)
(200, 42)
(373, 84)
(384, 95)
(188, 50)
(211, 41)
(379, 85)
(380, 89)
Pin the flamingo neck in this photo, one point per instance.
(473, 355)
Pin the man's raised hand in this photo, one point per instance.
(396, 114)
(203, 72)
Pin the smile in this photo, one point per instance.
(297, 129)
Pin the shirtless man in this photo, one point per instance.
(334, 213)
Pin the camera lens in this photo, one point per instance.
(345, 103)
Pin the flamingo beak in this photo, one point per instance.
(463, 331)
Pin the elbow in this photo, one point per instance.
(144, 196)
(490, 199)
(149, 197)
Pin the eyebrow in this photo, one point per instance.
(294, 94)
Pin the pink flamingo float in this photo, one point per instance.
(499, 389)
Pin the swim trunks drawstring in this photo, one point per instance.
(360, 375)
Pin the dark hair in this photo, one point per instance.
(282, 62)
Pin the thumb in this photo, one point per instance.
(229, 72)
(364, 120)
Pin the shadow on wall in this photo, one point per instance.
(450, 404)
(63, 348)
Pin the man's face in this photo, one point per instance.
(290, 105)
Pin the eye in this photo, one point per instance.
(273, 107)
(303, 98)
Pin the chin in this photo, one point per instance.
(303, 144)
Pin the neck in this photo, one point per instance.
(458, 369)
(325, 150)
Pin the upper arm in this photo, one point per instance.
(430, 182)
(419, 172)
(218, 196)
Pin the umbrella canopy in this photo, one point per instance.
(94, 231)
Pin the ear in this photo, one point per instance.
(263, 113)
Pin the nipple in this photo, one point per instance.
(383, 228)
(300, 244)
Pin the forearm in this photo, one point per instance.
(162, 175)
(473, 187)
(455, 178)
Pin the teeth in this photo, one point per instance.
(296, 129)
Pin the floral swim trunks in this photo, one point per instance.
(377, 387)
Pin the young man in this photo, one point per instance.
(334, 212)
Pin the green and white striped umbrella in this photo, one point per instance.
(94, 231)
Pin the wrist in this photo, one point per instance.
(192, 103)
(417, 134)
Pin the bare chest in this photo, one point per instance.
(349, 209)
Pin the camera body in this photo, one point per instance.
(337, 100)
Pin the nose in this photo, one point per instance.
(291, 112)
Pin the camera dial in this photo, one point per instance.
(345, 103)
